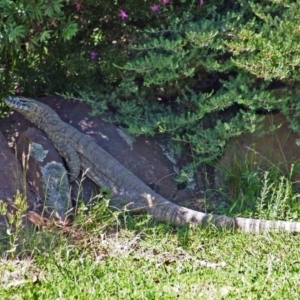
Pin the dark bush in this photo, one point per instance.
(196, 71)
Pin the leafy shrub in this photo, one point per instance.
(196, 71)
(188, 74)
(32, 32)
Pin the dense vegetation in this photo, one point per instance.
(197, 71)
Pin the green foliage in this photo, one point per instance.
(46, 45)
(33, 36)
(278, 199)
(267, 46)
(184, 79)
(14, 219)
(95, 215)
(260, 193)
(196, 73)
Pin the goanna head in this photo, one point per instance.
(22, 104)
(32, 110)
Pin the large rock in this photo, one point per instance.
(12, 178)
(45, 171)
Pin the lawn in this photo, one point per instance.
(137, 258)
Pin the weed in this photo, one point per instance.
(14, 218)
(278, 199)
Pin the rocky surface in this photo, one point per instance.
(45, 171)
(12, 178)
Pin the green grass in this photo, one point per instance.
(108, 254)
(146, 260)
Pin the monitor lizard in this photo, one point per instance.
(82, 153)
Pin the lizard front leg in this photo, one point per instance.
(70, 156)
